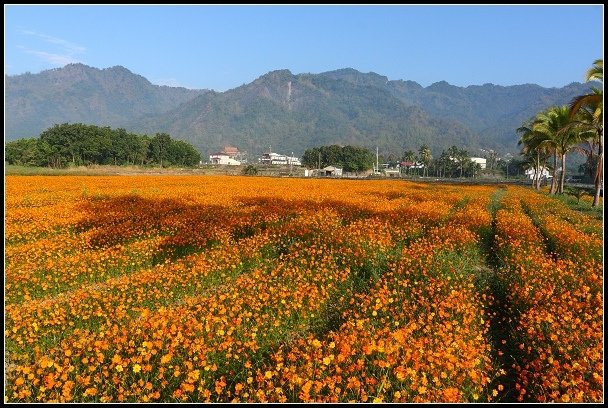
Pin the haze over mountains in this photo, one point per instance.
(288, 112)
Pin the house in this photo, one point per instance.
(276, 158)
(544, 173)
(228, 155)
(479, 160)
(392, 172)
(411, 165)
(221, 158)
(331, 171)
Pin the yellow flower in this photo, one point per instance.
(326, 360)
(119, 368)
(136, 368)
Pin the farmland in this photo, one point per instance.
(249, 289)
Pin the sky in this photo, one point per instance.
(221, 47)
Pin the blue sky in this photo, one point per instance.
(222, 47)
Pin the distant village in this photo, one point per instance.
(231, 156)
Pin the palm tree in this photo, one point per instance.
(560, 137)
(590, 108)
(410, 157)
(425, 157)
(463, 160)
(442, 162)
(544, 119)
(534, 145)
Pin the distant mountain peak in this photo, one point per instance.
(119, 68)
(290, 112)
(277, 73)
(440, 84)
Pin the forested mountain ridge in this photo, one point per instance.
(493, 111)
(294, 112)
(284, 111)
(79, 93)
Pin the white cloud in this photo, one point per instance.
(65, 54)
(55, 59)
(67, 45)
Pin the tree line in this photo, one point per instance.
(549, 136)
(452, 162)
(350, 158)
(79, 144)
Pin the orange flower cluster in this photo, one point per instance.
(183, 288)
(559, 332)
(573, 235)
(418, 334)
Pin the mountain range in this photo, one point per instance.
(283, 111)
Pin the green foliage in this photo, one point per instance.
(78, 144)
(159, 148)
(350, 158)
(576, 192)
(250, 170)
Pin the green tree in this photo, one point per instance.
(311, 158)
(410, 157)
(424, 153)
(250, 170)
(357, 159)
(160, 148)
(183, 153)
(22, 152)
(463, 160)
(535, 149)
(555, 125)
(143, 149)
(443, 163)
(590, 111)
(64, 138)
(547, 121)
(350, 158)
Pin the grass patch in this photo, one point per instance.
(583, 205)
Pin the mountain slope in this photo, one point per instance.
(283, 111)
(493, 111)
(291, 113)
(78, 93)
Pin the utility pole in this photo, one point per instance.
(319, 168)
(377, 166)
(290, 159)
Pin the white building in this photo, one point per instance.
(480, 160)
(544, 172)
(331, 171)
(276, 158)
(391, 172)
(222, 158)
(227, 156)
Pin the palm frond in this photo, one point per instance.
(596, 72)
(579, 102)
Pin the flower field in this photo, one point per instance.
(247, 289)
